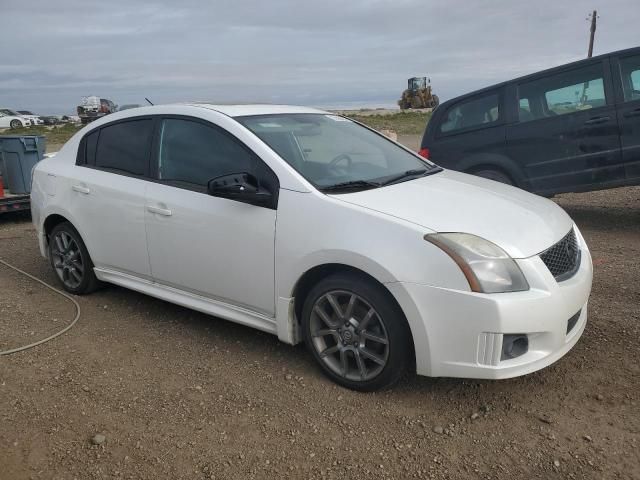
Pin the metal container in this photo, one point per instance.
(18, 156)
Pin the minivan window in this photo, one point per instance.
(124, 147)
(630, 70)
(194, 153)
(525, 110)
(563, 93)
(476, 112)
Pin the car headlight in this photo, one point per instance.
(486, 266)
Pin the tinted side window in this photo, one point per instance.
(194, 153)
(91, 143)
(562, 93)
(476, 112)
(630, 71)
(87, 149)
(125, 147)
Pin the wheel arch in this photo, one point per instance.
(500, 163)
(50, 223)
(315, 274)
(55, 217)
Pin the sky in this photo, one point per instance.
(328, 53)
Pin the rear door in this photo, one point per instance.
(566, 134)
(108, 195)
(626, 70)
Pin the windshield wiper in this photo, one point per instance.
(353, 184)
(409, 173)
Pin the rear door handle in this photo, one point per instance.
(81, 189)
(160, 211)
(597, 120)
(632, 113)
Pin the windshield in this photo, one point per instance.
(331, 151)
(6, 111)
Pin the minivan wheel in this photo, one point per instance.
(70, 260)
(15, 124)
(356, 332)
(495, 175)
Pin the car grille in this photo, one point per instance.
(563, 258)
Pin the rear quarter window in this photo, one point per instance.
(91, 144)
(477, 112)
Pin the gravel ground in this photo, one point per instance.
(143, 389)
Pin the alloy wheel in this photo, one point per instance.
(349, 335)
(67, 259)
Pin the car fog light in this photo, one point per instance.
(514, 345)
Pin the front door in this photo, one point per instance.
(214, 247)
(566, 137)
(629, 113)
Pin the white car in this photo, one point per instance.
(314, 228)
(35, 119)
(11, 119)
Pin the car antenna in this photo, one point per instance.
(150, 102)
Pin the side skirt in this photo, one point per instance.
(190, 300)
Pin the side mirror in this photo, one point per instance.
(241, 186)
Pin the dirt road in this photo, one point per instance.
(177, 394)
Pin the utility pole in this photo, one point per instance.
(594, 17)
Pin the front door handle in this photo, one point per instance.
(597, 120)
(81, 189)
(160, 211)
(632, 113)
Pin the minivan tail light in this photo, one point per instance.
(424, 152)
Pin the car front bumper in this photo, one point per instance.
(461, 333)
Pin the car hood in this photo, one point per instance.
(519, 222)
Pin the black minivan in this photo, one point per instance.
(572, 128)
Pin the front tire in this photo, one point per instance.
(356, 332)
(70, 260)
(15, 124)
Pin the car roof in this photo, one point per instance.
(559, 68)
(256, 109)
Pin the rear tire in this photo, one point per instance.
(356, 332)
(495, 175)
(70, 260)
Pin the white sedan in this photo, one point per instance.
(10, 119)
(35, 119)
(314, 228)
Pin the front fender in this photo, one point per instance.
(288, 325)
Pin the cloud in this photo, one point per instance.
(315, 53)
